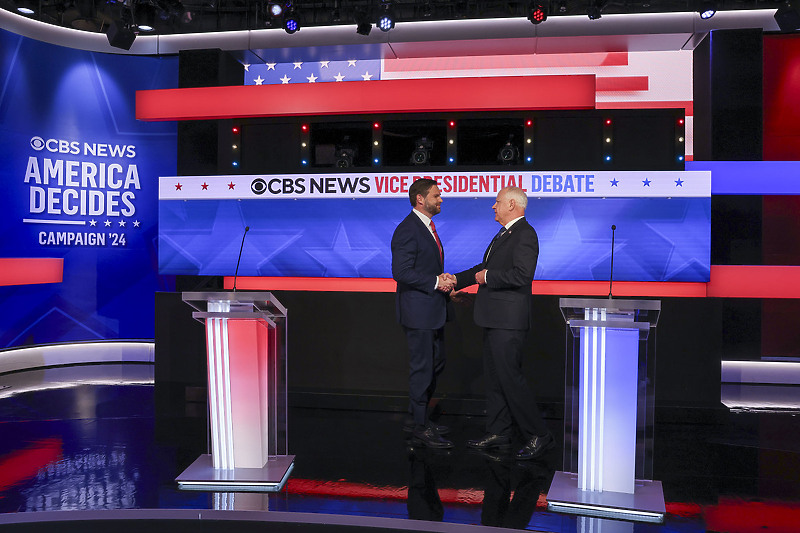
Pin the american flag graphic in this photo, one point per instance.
(624, 80)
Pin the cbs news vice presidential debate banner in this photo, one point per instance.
(341, 225)
(79, 179)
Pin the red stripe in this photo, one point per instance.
(622, 83)
(20, 465)
(31, 270)
(351, 98)
(725, 282)
(687, 105)
(417, 59)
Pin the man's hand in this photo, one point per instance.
(446, 282)
(480, 277)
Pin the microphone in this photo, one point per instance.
(611, 275)
(246, 229)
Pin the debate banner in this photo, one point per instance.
(341, 225)
(79, 179)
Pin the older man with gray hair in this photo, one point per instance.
(502, 308)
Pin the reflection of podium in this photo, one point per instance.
(246, 347)
(608, 415)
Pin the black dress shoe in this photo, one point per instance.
(408, 427)
(488, 441)
(536, 447)
(428, 437)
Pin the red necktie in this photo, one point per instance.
(438, 242)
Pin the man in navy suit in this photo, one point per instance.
(502, 308)
(423, 305)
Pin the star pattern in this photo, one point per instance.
(326, 70)
(298, 65)
(285, 79)
(259, 80)
(312, 78)
(339, 77)
(341, 259)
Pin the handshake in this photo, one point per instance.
(447, 282)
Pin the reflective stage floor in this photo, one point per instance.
(88, 438)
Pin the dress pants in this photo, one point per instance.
(426, 362)
(509, 398)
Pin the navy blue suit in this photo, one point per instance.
(421, 309)
(503, 309)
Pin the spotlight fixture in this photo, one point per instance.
(144, 14)
(291, 20)
(385, 17)
(707, 9)
(422, 151)
(593, 10)
(538, 14)
(275, 9)
(509, 153)
(346, 153)
(561, 7)
(363, 24)
(787, 17)
(427, 9)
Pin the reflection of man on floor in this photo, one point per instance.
(422, 305)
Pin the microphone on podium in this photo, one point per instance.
(611, 275)
(246, 229)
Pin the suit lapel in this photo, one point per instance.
(502, 239)
(427, 236)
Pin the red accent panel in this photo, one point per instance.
(20, 465)
(687, 105)
(622, 83)
(502, 61)
(736, 516)
(30, 270)
(781, 87)
(726, 282)
(746, 281)
(351, 98)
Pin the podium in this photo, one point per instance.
(247, 393)
(608, 413)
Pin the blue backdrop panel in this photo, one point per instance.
(657, 239)
(79, 181)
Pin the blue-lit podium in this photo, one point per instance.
(608, 416)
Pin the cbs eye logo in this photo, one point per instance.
(258, 186)
(37, 143)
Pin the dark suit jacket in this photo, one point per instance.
(415, 265)
(505, 301)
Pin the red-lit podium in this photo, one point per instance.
(246, 347)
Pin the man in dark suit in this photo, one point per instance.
(423, 305)
(502, 308)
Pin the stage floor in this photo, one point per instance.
(88, 438)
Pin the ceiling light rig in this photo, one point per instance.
(594, 9)
(291, 19)
(538, 13)
(385, 20)
(707, 9)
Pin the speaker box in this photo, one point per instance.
(119, 36)
(788, 18)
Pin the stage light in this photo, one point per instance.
(452, 124)
(707, 9)
(275, 9)
(422, 151)
(291, 20)
(562, 7)
(363, 24)
(345, 153)
(376, 125)
(529, 123)
(304, 127)
(144, 15)
(593, 11)
(386, 17)
(538, 14)
(509, 153)
(608, 122)
(25, 10)
(427, 9)
(120, 35)
(787, 17)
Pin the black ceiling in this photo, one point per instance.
(197, 16)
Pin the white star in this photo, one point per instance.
(259, 80)
(107, 223)
(312, 78)
(351, 62)
(122, 223)
(323, 64)
(92, 222)
(246, 67)
(298, 64)
(136, 223)
(285, 79)
(367, 76)
(271, 66)
(339, 77)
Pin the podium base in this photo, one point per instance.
(201, 475)
(646, 504)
